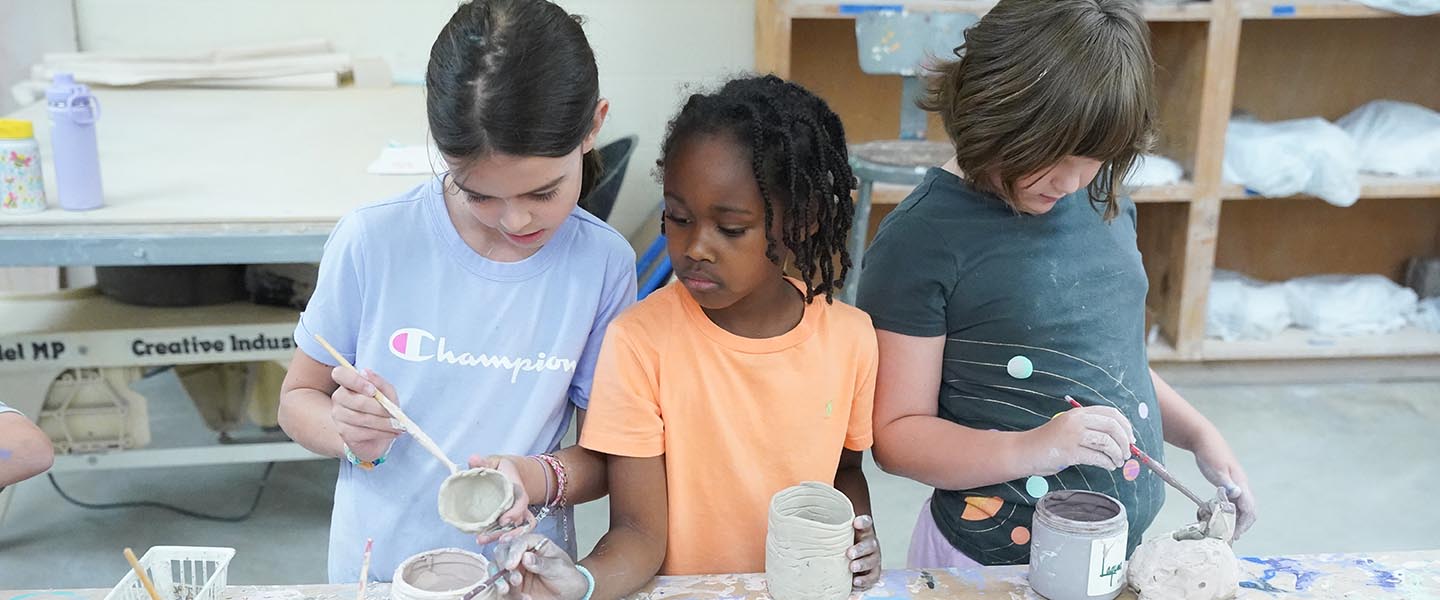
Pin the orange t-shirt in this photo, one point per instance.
(737, 419)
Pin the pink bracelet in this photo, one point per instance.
(561, 482)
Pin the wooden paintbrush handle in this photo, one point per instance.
(140, 574)
(390, 407)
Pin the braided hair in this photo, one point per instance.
(799, 158)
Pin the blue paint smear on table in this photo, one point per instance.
(1276, 566)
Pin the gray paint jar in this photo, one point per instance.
(1078, 546)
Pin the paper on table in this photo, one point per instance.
(408, 160)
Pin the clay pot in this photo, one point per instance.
(811, 528)
(474, 499)
(445, 574)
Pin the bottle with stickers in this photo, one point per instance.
(22, 188)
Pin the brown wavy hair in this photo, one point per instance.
(1039, 80)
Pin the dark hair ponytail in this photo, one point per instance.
(514, 77)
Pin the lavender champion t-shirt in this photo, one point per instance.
(486, 357)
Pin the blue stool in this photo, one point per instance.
(653, 268)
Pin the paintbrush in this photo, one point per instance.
(489, 581)
(1158, 468)
(140, 574)
(365, 569)
(395, 411)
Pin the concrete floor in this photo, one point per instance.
(1348, 467)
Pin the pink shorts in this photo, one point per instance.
(930, 550)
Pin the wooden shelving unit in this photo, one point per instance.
(1274, 59)
(1371, 186)
(1309, 9)
(1301, 344)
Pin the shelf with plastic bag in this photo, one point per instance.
(831, 9)
(1310, 9)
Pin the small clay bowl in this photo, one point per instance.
(473, 500)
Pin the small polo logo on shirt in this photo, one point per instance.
(410, 344)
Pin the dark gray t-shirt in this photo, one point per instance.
(1033, 308)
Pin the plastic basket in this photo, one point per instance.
(179, 573)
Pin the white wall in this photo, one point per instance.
(647, 49)
(28, 29)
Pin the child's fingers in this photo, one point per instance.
(864, 526)
(525, 525)
(518, 515)
(351, 400)
(869, 547)
(382, 384)
(865, 566)
(1246, 508)
(1110, 423)
(362, 423)
(487, 462)
(1095, 458)
(1105, 445)
(507, 553)
(353, 381)
(867, 580)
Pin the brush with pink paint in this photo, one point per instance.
(1158, 468)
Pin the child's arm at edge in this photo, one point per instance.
(630, 554)
(626, 558)
(864, 555)
(27, 450)
(1186, 428)
(321, 417)
(912, 441)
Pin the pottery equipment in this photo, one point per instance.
(490, 581)
(1206, 508)
(473, 500)
(1194, 562)
(365, 568)
(141, 575)
(445, 574)
(468, 499)
(1077, 549)
(810, 530)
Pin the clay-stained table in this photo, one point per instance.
(1408, 575)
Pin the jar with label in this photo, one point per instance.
(22, 188)
(1078, 546)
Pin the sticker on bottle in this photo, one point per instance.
(1107, 565)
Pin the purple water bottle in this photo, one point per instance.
(73, 112)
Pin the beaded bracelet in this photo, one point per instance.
(561, 481)
(589, 580)
(365, 464)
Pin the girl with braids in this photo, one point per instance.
(1009, 282)
(735, 382)
(482, 295)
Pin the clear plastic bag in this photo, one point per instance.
(1427, 316)
(1284, 158)
(1395, 138)
(1413, 8)
(1350, 304)
(1153, 169)
(1241, 308)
